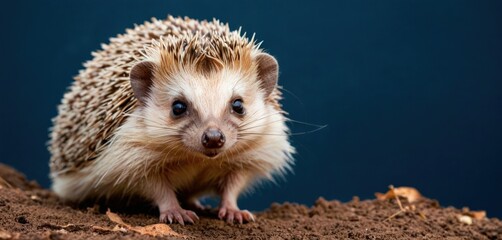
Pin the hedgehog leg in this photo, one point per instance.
(228, 209)
(170, 210)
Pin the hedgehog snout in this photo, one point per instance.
(213, 138)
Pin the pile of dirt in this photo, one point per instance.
(29, 212)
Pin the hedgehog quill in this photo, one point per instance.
(172, 111)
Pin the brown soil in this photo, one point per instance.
(29, 212)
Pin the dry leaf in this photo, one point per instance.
(151, 230)
(478, 215)
(115, 218)
(155, 230)
(68, 227)
(101, 229)
(119, 228)
(411, 194)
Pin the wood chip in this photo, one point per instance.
(465, 219)
(5, 235)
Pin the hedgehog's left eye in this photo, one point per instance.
(238, 106)
(179, 108)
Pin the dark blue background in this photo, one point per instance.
(410, 90)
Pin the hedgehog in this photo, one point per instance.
(172, 111)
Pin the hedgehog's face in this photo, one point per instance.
(207, 114)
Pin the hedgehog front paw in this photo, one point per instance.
(178, 215)
(232, 215)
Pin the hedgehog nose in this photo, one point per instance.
(213, 138)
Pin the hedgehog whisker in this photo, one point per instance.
(162, 136)
(250, 116)
(292, 94)
(156, 124)
(286, 134)
(240, 149)
(143, 118)
(243, 124)
(261, 125)
(306, 123)
(171, 131)
(247, 139)
(157, 166)
(318, 127)
(167, 157)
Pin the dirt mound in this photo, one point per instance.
(29, 212)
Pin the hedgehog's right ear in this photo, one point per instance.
(268, 72)
(141, 79)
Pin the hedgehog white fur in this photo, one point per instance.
(172, 110)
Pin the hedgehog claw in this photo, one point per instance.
(178, 215)
(231, 215)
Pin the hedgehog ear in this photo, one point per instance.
(268, 72)
(141, 79)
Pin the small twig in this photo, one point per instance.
(4, 183)
(402, 210)
(393, 215)
(391, 187)
(422, 215)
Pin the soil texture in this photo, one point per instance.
(29, 212)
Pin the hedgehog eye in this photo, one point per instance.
(179, 108)
(238, 107)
